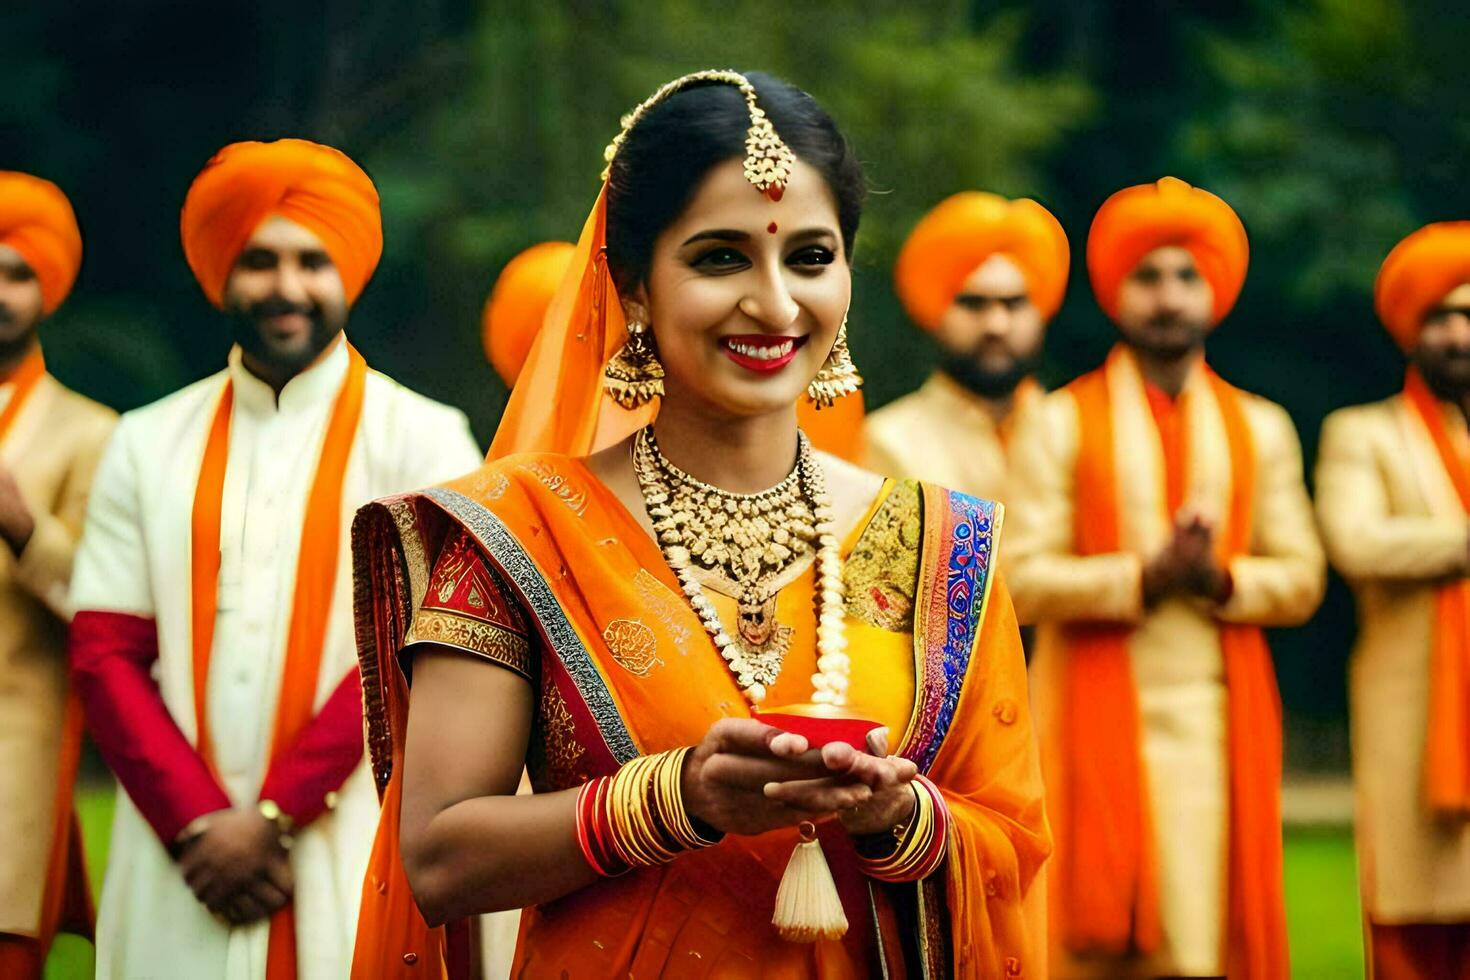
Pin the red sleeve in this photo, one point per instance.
(465, 609)
(111, 659)
(322, 757)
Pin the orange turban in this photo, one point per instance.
(518, 303)
(1420, 271)
(37, 221)
(1137, 220)
(956, 238)
(313, 185)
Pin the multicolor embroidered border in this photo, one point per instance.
(961, 537)
(501, 545)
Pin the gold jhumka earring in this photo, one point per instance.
(838, 375)
(634, 377)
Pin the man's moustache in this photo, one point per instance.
(268, 308)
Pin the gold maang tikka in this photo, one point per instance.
(768, 160)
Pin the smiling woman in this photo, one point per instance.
(624, 609)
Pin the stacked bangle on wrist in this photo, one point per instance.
(921, 842)
(635, 818)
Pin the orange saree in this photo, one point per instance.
(936, 654)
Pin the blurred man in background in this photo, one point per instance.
(1158, 522)
(983, 275)
(213, 643)
(50, 441)
(1393, 495)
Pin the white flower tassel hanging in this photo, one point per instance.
(807, 905)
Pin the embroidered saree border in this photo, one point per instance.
(388, 560)
(562, 639)
(960, 532)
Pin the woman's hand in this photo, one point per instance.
(888, 778)
(746, 777)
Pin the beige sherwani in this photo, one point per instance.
(52, 450)
(1175, 646)
(1394, 528)
(943, 433)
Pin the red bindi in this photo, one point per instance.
(771, 227)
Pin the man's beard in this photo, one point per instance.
(1447, 374)
(1180, 338)
(988, 382)
(14, 343)
(248, 329)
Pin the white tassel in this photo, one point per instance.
(807, 905)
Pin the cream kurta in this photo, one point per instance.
(1394, 528)
(943, 434)
(1175, 646)
(135, 559)
(52, 450)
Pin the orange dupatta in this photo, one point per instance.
(1447, 745)
(316, 577)
(1110, 889)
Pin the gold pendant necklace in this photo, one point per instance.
(749, 545)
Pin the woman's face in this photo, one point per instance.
(745, 295)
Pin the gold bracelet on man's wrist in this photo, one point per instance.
(281, 820)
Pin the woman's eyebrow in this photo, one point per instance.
(719, 235)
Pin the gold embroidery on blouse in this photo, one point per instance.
(563, 751)
(883, 570)
(574, 497)
(472, 636)
(634, 646)
(414, 557)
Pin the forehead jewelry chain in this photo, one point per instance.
(768, 160)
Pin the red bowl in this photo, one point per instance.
(819, 724)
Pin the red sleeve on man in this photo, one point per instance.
(112, 656)
(322, 757)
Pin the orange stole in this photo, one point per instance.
(66, 899)
(1447, 744)
(316, 576)
(621, 689)
(25, 377)
(1110, 891)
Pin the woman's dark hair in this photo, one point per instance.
(677, 142)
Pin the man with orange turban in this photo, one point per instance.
(982, 275)
(50, 441)
(1393, 495)
(1159, 522)
(213, 642)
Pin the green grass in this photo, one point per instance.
(1323, 919)
(1321, 899)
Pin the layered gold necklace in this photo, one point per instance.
(750, 546)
